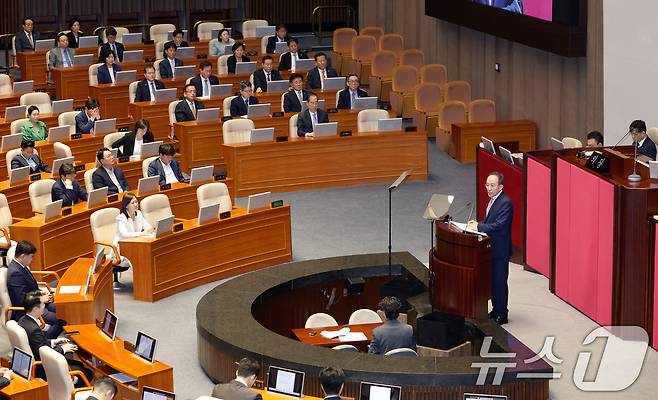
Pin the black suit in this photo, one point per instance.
(103, 74)
(390, 336)
(20, 161)
(648, 148)
(183, 112)
(304, 123)
(313, 80)
(83, 124)
(119, 50)
(198, 83)
(143, 93)
(69, 196)
(128, 143)
(165, 68)
(345, 100)
(74, 42)
(271, 43)
(285, 63)
(23, 43)
(100, 178)
(238, 106)
(260, 80)
(291, 102)
(182, 44)
(231, 62)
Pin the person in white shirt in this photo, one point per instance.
(166, 167)
(130, 221)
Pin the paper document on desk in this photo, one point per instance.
(335, 334)
(69, 289)
(353, 337)
(463, 227)
(123, 378)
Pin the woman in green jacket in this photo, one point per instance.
(34, 129)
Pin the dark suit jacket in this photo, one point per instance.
(73, 42)
(234, 390)
(313, 77)
(19, 161)
(304, 123)
(390, 336)
(182, 44)
(100, 179)
(238, 107)
(70, 196)
(119, 47)
(648, 149)
(183, 112)
(165, 68)
(285, 63)
(82, 123)
(104, 73)
(155, 168)
(36, 336)
(19, 282)
(128, 142)
(142, 93)
(231, 62)
(260, 80)
(198, 83)
(498, 225)
(344, 100)
(291, 101)
(271, 43)
(22, 43)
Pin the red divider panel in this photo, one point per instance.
(654, 336)
(538, 216)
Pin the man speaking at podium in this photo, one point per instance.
(497, 224)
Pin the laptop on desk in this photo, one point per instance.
(148, 185)
(245, 67)
(201, 174)
(258, 110)
(258, 201)
(207, 114)
(11, 142)
(126, 76)
(285, 381)
(379, 391)
(222, 90)
(261, 135)
(131, 38)
(133, 55)
(184, 71)
(150, 149)
(43, 45)
(59, 133)
(321, 103)
(208, 213)
(325, 129)
(278, 86)
(269, 30)
(61, 106)
(15, 112)
(21, 363)
(23, 87)
(365, 103)
(19, 175)
(280, 47)
(488, 145)
(97, 197)
(87, 42)
(334, 83)
(165, 94)
(164, 226)
(304, 64)
(185, 52)
(102, 126)
(83, 60)
(389, 125)
(52, 210)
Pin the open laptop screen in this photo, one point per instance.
(378, 391)
(285, 381)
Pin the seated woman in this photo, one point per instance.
(34, 129)
(29, 157)
(67, 187)
(108, 71)
(218, 48)
(238, 56)
(132, 141)
(130, 223)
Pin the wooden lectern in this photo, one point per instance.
(460, 272)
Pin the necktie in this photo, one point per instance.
(293, 63)
(65, 56)
(314, 118)
(491, 200)
(173, 67)
(323, 76)
(246, 103)
(152, 85)
(206, 88)
(113, 48)
(193, 109)
(268, 76)
(299, 96)
(29, 37)
(353, 97)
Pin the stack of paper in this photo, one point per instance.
(353, 337)
(463, 227)
(69, 289)
(335, 334)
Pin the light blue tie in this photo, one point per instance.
(353, 97)
(67, 59)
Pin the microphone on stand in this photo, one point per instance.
(470, 214)
(620, 140)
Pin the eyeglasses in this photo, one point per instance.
(491, 185)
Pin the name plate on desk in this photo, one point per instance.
(281, 139)
(112, 198)
(277, 114)
(345, 133)
(220, 177)
(178, 227)
(332, 110)
(410, 129)
(166, 186)
(599, 163)
(124, 159)
(66, 211)
(123, 129)
(224, 215)
(35, 177)
(79, 168)
(277, 203)
(76, 136)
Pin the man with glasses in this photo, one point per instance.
(645, 145)
(497, 224)
(347, 96)
(146, 87)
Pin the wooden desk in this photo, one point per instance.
(113, 357)
(20, 389)
(71, 83)
(33, 67)
(201, 254)
(276, 396)
(311, 336)
(85, 309)
(466, 136)
(47, 118)
(113, 99)
(18, 197)
(9, 100)
(157, 113)
(312, 163)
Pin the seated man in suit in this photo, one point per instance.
(170, 62)
(288, 60)
(311, 116)
(316, 76)
(107, 72)
(595, 139)
(186, 109)
(84, 120)
(67, 187)
(108, 174)
(265, 74)
(146, 87)
(28, 157)
(239, 388)
(332, 380)
(392, 334)
(292, 101)
(34, 308)
(177, 40)
(205, 79)
(20, 281)
(281, 36)
(166, 167)
(61, 56)
(112, 44)
(240, 104)
(645, 146)
(26, 37)
(347, 96)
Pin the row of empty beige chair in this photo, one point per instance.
(429, 109)
(361, 316)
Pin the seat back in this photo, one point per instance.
(319, 320)
(15, 126)
(156, 65)
(391, 41)
(5, 300)
(364, 316)
(60, 385)
(93, 74)
(292, 125)
(111, 138)
(39, 192)
(346, 347)
(159, 50)
(213, 193)
(17, 335)
(5, 212)
(226, 105)
(237, 130)
(104, 226)
(364, 48)
(451, 112)
(366, 120)
(249, 27)
(132, 90)
(222, 66)
(374, 31)
(458, 90)
(120, 32)
(10, 156)
(413, 57)
(263, 43)
(383, 63)
(155, 207)
(405, 78)
(158, 32)
(481, 110)
(427, 97)
(6, 86)
(343, 39)
(653, 134)
(87, 178)
(402, 352)
(433, 73)
(204, 29)
(282, 102)
(68, 118)
(571, 143)
(61, 151)
(145, 165)
(172, 112)
(39, 99)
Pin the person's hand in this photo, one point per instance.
(310, 134)
(472, 225)
(69, 348)
(60, 340)
(259, 90)
(6, 372)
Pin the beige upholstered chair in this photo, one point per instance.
(450, 112)
(61, 151)
(363, 50)
(413, 57)
(204, 29)
(391, 41)
(39, 99)
(145, 166)
(263, 43)
(60, 383)
(132, 90)
(87, 178)
(653, 134)
(320, 320)
(213, 193)
(68, 118)
(15, 126)
(366, 120)
(172, 113)
(17, 335)
(434, 73)
(374, 31)
(39, 192)
(342, 51)
(6, 85)
(237, 130)
(156, 207)
(10, 156)
(158, 32)
(249, 27)
(405, 78)
(93, 74)
(226, 105)
(282, 101)
(222, 66)
(6, 219)
(103, 229)
(292, 126)
(481, 110)
(364, 316)
(156, 65)
(457, 90)
(381, 74)
(571, 143)
(120, 32)
(346, 347)
(159, 50)
(427, 99)
(5, 301)
(401, 352)
(111, 138)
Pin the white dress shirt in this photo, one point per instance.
(137, 149)
(130, 227)
(172, 62)
(293, 61)
(169, 173)
(111, 71)
(205, 83)
(114, 179)
(152, 89)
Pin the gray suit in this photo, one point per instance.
(56, 59)
(392, 335)
(235, 390)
